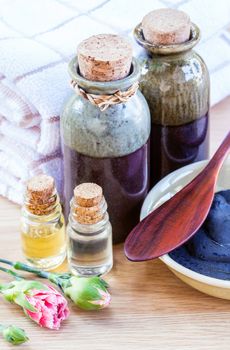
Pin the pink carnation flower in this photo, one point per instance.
(51, 307)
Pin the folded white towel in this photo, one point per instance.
(11, 187)
(15, 107)
(26, 136)
(25, 157)
(20, 162)
(35, 98)
(21, 115)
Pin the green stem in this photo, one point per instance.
(8, 262)
(58, 279)
(11, 272)
(24, 267)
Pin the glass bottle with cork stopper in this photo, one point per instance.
(105, 129)
(42, 224)
(175, 82)
(89, 232)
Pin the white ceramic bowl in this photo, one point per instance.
(164, 190)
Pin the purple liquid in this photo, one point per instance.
(125, 183)
(173, 147)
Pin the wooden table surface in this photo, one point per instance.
(150, 309)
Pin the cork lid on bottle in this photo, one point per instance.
(166, 26)
(87, 203)
(104, 57)
(40, 194)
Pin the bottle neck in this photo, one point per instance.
(88, 220)
(168, 50)
(107, 87)
(170, 57)
(41, 211)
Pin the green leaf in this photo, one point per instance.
(11, 290)
(25, 286)
(21, 300)
(9, 293)
(6, 286)
(103, 283)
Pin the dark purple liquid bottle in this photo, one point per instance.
(175, 82)
(173, 147)
(109, 147)
(125, 183)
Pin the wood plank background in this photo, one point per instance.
(151, 309)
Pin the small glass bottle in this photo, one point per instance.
(42, 224)
(89, 232)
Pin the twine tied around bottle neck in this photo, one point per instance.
(104, 101)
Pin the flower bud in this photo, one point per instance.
(14, 335)
(88, 293)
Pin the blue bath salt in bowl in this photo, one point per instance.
(208, 251)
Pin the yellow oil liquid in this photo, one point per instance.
(44, 242)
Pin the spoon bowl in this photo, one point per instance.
(178, 219)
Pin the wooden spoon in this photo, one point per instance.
(178, 219)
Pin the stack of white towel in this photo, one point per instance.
(30, 105)
(37, 39)
(33, 86)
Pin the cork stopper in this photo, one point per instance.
(104, 57)
(88, 194)
(40, 195)
(88, 200)
(166, 26)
